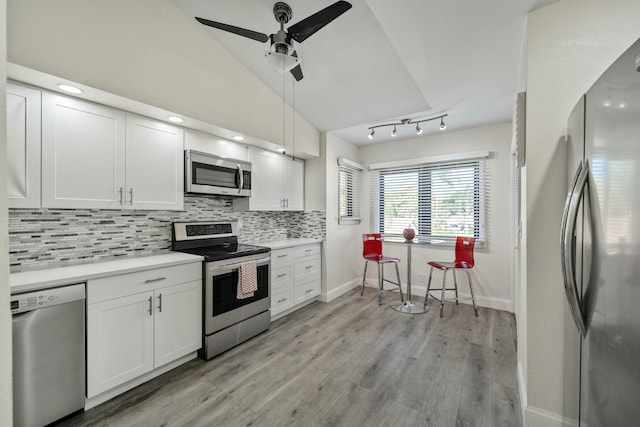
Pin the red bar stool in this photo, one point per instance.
(464, 261)
(372, 251)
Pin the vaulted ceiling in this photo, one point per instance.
(383, 61)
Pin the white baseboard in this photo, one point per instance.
(482, 301)
(522, 388)
(535, 417)
(340, 290)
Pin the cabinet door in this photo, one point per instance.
(178, 321)
(266, 181)
(23, 147)
(294, 185)
(82, 154)
(214, 145)
(154, 165)
(119, 341)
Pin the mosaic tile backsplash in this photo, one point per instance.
(44, 238)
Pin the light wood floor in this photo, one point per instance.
(346, 363)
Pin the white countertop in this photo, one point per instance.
(47, 278)
(288, 243)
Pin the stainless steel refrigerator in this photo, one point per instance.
(601, 251)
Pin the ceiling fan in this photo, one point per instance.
(282, 50)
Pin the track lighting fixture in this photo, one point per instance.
(394, 132)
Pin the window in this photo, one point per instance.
(348, 191)
(441, 199)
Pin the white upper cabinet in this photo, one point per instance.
(99, 157)
(83, 148)
(294, 185)
(277, 183)
(210, 144)
(154, 166)
(23, 147)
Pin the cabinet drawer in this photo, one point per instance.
(307, 267)
(142, 281)
(282, 257)
(281, 277)
(307, 250)
(281, 300)
(306, 290)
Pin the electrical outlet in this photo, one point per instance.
(239, 224)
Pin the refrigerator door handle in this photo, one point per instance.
(569, 218)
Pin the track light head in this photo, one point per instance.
(419, 130)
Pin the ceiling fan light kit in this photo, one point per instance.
(394, 132)
(282, 55)
(281, 62)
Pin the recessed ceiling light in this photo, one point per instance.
(70, 89)
(175, 119)
(238, 138)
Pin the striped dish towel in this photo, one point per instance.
(247, 280)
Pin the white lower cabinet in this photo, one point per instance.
(119, 341)
(177, 329)
(141, 321)
(295, 276)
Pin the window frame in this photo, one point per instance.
(425, 168)
(349, 185)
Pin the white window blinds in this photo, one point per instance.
(442, 199)
(349, 191)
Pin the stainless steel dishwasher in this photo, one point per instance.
(48, 354)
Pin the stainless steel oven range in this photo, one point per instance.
(228, 320)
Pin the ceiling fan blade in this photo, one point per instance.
(302, 30)
(235, 30)
(296, 71)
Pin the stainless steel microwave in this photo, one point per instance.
(210, 174)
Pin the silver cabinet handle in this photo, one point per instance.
(157, 279)
(282, 256)
(131, 196)
(568, 227)
(287, 203)
(308, 267)
(241, 181)
(309, 250)
(160, 303)
(150, 306)
(309, 290)
(281, 275)
(282, 300)
(121, 195)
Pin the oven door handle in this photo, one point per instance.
(235, 266)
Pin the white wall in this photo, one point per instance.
(6, 403)
(152, 52)
(343, 248)
(491, 273)
(570, 44)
